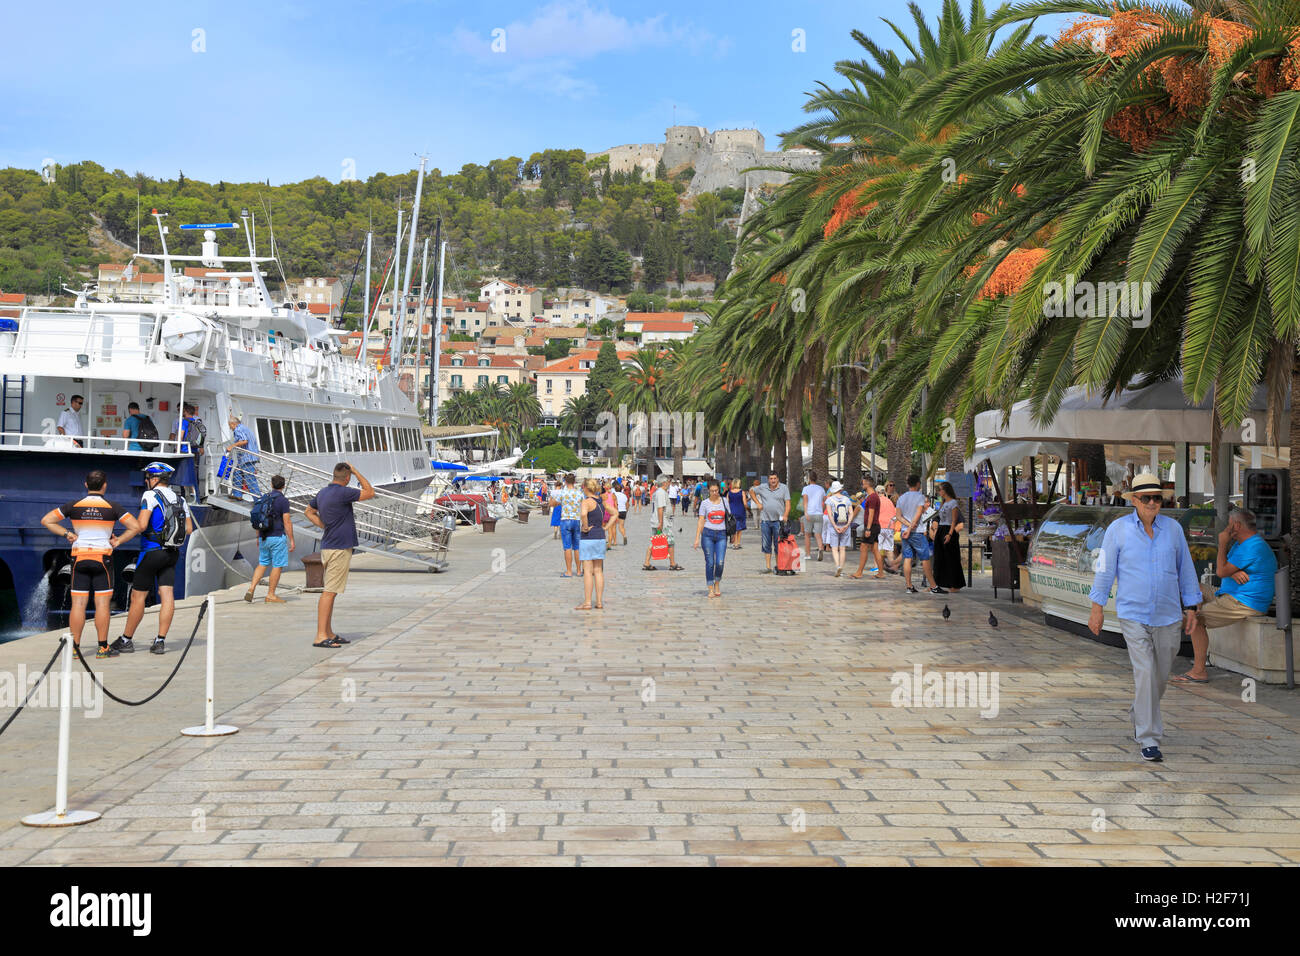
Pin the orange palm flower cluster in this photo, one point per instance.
(979, 218)
(1012, 273)
(846, 208)
(1185, 80)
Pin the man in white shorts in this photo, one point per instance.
(814, 499)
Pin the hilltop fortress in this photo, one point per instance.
(718, 158)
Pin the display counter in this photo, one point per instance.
(1064, 551)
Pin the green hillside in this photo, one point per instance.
(553, 220)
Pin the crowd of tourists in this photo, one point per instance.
(896, 534)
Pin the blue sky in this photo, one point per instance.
(245, 91)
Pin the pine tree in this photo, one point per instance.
(604, 374)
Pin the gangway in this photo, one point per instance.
(389, 524)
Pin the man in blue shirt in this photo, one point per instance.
(243, 478)
(131, 427)
(1146, 553)
(331, 511)
(1246, 565)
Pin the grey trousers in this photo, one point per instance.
(1151, 651)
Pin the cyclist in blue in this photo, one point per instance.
(166, 522)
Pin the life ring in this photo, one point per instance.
(275, 367)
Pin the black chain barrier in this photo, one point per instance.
(203, 609)
(28, 699)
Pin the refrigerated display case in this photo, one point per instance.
(1063, 556)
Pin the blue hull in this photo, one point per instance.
(31, 484)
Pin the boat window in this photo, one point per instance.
(319, 428)
(383, 438)
(349, 437)
(277, 441)
(329, 437)
(300, 435)
(290, 445)
(367, 438)
(264, 434)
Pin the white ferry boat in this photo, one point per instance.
(217, 339)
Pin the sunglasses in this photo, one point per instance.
(1150, 499)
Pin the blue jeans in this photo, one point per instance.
(771, 535)
(244, 477)
(570, 530)
(714, 545)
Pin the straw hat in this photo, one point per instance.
(1145, 484)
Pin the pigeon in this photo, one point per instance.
(946, 613)
(993, 621)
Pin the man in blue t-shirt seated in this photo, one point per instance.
(1246, 566)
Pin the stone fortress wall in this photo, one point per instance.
(718, 158)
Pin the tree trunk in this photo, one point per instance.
(794, 438)
(1293, 541)
(852, 434)
(778, 458)
(821, 436)
(955, 452)
(898, 448)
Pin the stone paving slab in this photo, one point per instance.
(480, 720)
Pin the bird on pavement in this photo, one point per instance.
(993, 621)
(946, 613)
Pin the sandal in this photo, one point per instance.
(1188, 679)
(331, 643)
(583, 607)
(675, 567)
(648, 567)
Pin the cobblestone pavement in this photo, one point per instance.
(492, 724)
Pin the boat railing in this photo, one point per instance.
(101, 337)
(92, 444)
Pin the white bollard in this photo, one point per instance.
(208, 730)
(61, 816)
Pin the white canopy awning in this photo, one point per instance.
(1004, 454)
(1157, 415)
(690, 466)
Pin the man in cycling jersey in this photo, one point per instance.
(93, 518)
(156, 566)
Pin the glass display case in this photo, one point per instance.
(1070, 536)
(1063, 554)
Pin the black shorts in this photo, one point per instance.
(91, 574)
(622, 515)
(157, 568)
(872, 536)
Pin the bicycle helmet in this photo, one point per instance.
(159, 468)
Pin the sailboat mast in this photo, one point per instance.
(434, 391)
(363, 355)
(410, 250)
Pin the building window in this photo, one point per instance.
(548, 386)
(462, 323)
(455, 381)
(568, 386)
(503, 379)
(482, 379)
(483, 363)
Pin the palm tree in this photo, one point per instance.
(524, 409)
(642, 389)
(579, 416)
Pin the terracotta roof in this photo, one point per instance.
(667, 325)
(645, 316)
(563, 333)
(535, 362)
(15, 297)
(112, 266)
(460, 346)
(318, 308)
(535, 341)
(200, 273)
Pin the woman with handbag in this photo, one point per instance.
(591, 546)
(711, 532)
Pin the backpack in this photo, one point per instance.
(840, 514)
(147, 433)
(172, 534)
(261, 516)
(198, 433)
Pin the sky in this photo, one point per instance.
(242, 91)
